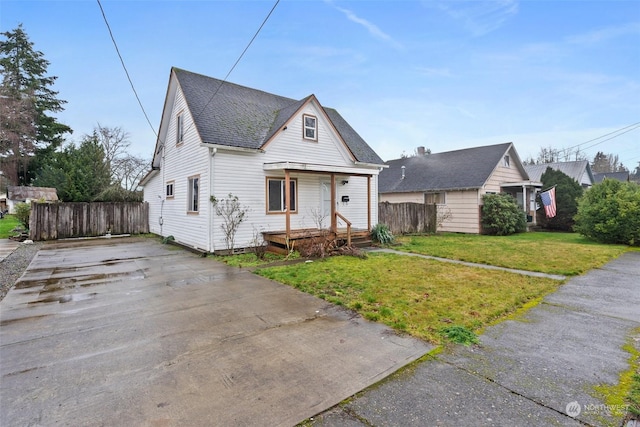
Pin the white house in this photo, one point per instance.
(294, 163)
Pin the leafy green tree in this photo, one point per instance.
(27, 88)
(80, 174)
(501, 215)
(610, 213)
(568, 191)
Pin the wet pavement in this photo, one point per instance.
(133, 332)
(541, 369)
(7, 247)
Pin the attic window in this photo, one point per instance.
(179, 129)
(506, 162)
(310, 127)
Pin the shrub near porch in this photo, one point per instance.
(414, 295)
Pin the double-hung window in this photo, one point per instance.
(169, 192)
(275, 195)
(193, 194)
(310, 127)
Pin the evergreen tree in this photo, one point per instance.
(80, 174)
(27, 88)
(568, 191)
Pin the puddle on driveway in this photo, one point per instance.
(65, 298)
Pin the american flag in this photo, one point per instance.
(549, 202)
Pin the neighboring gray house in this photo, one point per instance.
(620, 176)
(293, 163)
(578, 170)
(22, 194)
(456, 181)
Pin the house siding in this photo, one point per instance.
(503, 174)
(187, 159)
(463, 212)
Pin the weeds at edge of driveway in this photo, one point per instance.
(412, 295)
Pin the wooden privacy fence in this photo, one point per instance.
(404, 218)
(50, 221)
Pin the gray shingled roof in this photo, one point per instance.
(33, 193)
(575, 170)
(620, 176)
(242, 117)
(452, 170)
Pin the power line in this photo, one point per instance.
(634, 126)
(125, 68)
(615, 136)
(196, 117)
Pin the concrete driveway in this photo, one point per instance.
(133, 332)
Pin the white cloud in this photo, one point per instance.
(604, 34)
(480, 17)
(373, 29)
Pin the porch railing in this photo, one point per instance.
(340, 216)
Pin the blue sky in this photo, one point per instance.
(441, 74)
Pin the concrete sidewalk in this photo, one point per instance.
(539, 370)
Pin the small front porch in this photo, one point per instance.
(525, 194)
(341, 230)
(279, 242)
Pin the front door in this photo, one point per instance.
(325, 207)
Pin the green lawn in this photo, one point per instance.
(421, 297)
(8, 223)
(556, 253)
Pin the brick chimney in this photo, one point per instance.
(421, 151)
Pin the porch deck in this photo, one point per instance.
(277, 240)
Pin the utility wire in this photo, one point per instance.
(615, 136)
(234, 66)
(634, 126)
(125, 68)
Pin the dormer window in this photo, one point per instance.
(506, 162)
(310, 127)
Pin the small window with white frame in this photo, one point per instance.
(169, 191)
(506, 162)
(179, 128)
(435, 198)
(310, 127)
(193, 194)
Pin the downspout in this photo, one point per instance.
(210, 240)
(163, 190)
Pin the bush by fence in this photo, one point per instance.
(404, 218)
(50, 221)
